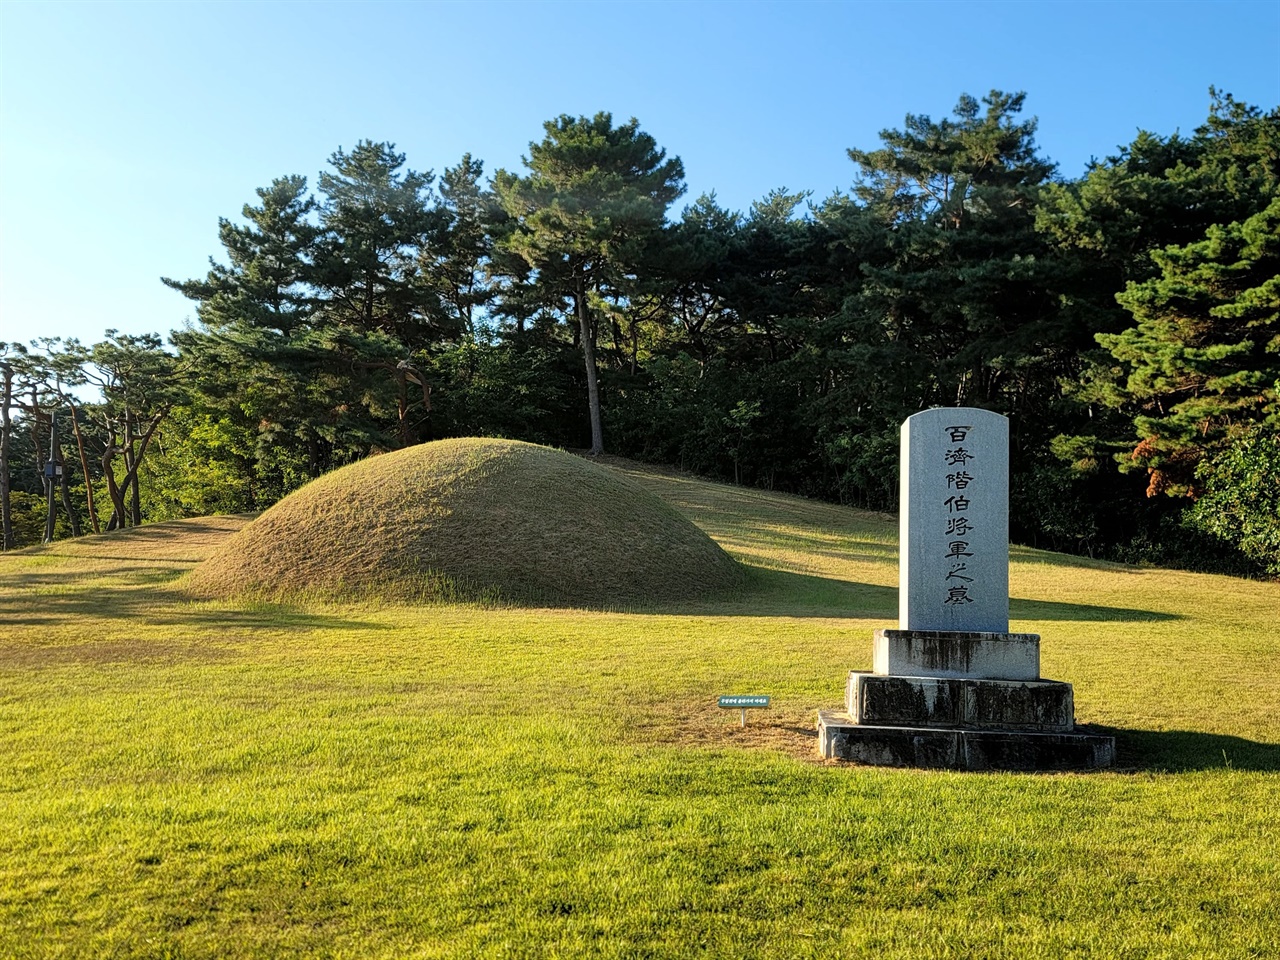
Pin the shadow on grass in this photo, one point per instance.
(154, 532)
(1179, 751)
(146, 593)
(784, 593)
(148, 589)
(1020, 609)
(122, 577)
(277, 618)
(788, 594)
(152, 541)
(149, 592)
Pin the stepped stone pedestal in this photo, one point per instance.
(960, 701)
(953, 688)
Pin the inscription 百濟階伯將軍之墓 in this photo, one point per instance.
(954, 535)
(957, 585)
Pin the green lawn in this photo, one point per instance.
(183, 779)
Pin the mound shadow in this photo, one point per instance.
(1183, 751)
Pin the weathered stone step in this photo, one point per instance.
(1044, 705)
(941, 653)
(951, 749)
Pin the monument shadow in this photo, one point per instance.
(1027, 609)
(786, 593)
(1185, 751)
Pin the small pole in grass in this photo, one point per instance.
(742, 703)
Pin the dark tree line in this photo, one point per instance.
(1125, 321)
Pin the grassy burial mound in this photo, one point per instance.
(472, 519)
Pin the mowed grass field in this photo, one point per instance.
(212, 779)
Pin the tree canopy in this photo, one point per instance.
(1124, 320)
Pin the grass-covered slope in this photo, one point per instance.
(472, 519)
(240, 779)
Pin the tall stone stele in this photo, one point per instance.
(952, 687)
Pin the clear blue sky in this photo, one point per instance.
(127, 129)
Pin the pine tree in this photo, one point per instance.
(960, 298)
(1203, 357)
(452, 265)
(581, 219)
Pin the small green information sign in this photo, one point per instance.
(742, 704)
(737, 703)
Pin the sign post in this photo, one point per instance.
(742, 704)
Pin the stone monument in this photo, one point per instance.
(951, 687)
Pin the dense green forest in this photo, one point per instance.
(1127, 322)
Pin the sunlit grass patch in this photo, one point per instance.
(374, 779)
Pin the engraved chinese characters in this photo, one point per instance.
(957, 583)
(954, 534)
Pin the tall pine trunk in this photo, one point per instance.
(131, 518)
(72, 515)
(51, 479)
(84, 467)
(6, 426)
(113, 488)
(589, 354)
(136, 504)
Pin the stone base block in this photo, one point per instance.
(939, 653)
(1038, 705)
(951, 749)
